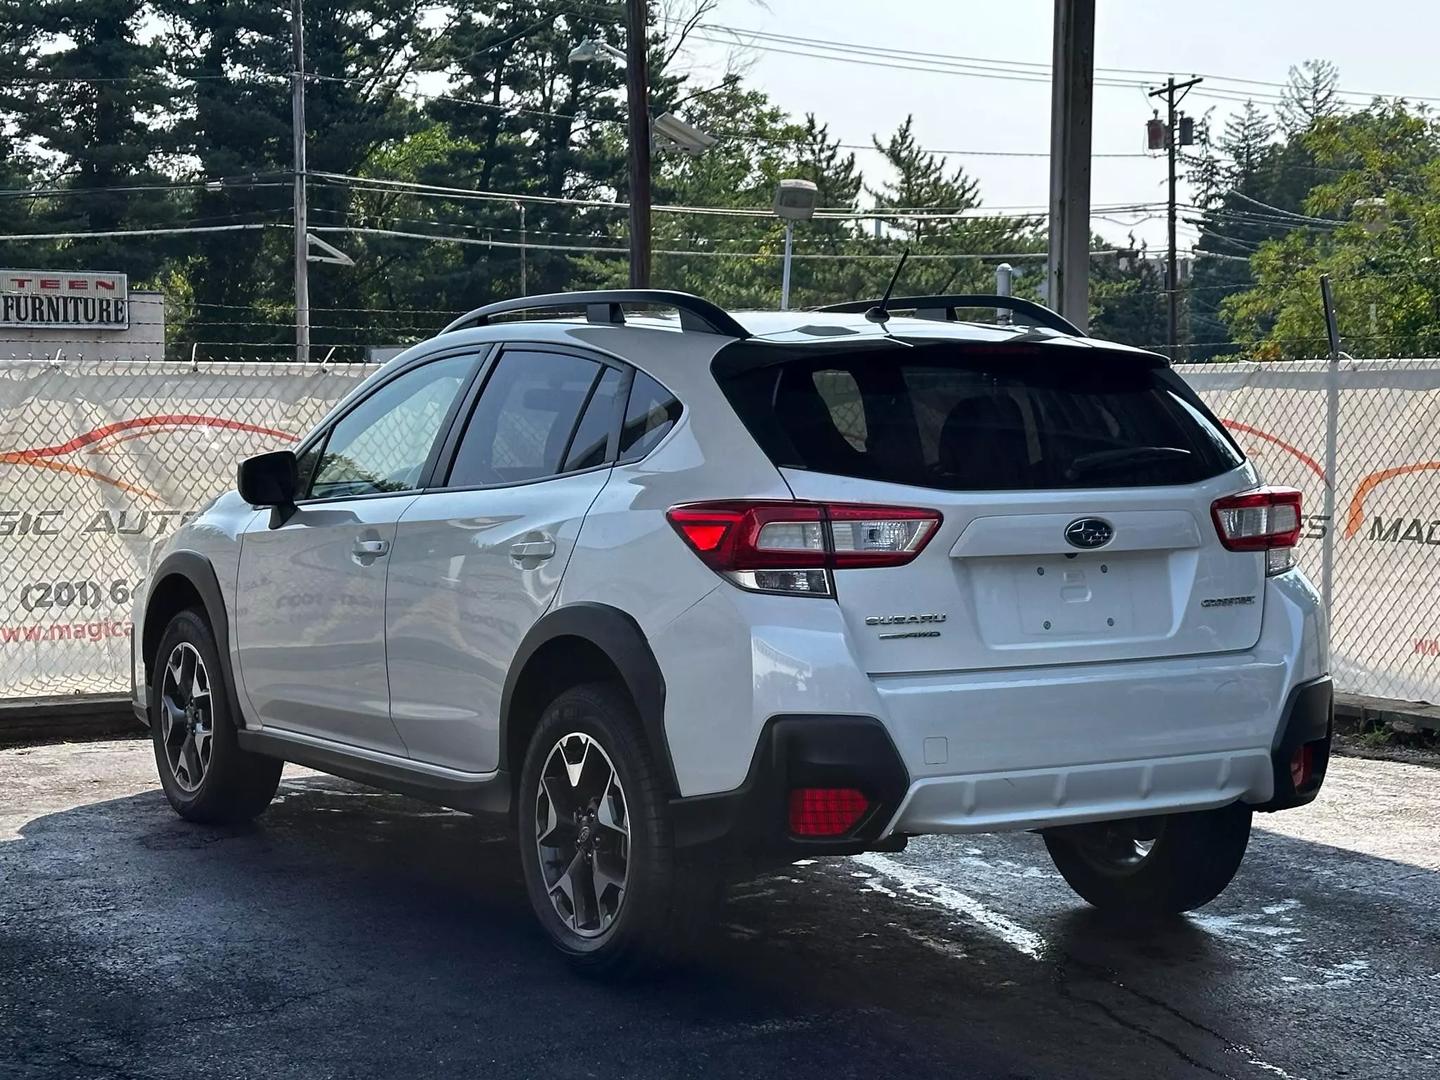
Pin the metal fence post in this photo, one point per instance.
(1332, 428)
(1004, 283)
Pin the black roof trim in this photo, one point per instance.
(606, 306)
(943, 308)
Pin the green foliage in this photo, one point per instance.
(113, 112)
(89, 109)
(1382, 193)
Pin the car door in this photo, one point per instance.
(310, 590)
(478, 559)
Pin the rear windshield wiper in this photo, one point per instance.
(1104, 460)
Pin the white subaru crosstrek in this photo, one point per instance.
(685, 595)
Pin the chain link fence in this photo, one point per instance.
(1378, 524)
(98, 458)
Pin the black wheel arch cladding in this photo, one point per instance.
(618, 637)
(195, 571)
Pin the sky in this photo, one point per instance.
(1386, 47)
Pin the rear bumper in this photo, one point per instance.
(853, 751)
(1021, 748)
(1044, 798)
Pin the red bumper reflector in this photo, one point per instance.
(826, 811)
(1302, 766)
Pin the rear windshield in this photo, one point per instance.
(933, 417)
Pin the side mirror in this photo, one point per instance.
(268, 479)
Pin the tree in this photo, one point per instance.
(95, 97)
(1127, 297)
(1251, 189)
(924, 183)
(235, 123)
(1374, 227)
(1310, 95)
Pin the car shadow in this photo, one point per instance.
(349, 931)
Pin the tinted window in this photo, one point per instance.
(935, 418)
(651, 413)
(522, 424)
(591, 444)
(383, 443)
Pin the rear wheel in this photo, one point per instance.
(205, 774)
(596, 841)
(1155, 865)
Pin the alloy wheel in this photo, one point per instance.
(187, 717)
(582, 834)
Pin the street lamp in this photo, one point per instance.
(794, 201)
(590, 49)
(671, 133)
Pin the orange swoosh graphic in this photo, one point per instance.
(163, 420)
(1355, 516)
(123, 431)
(76, 470)
(1311, 463)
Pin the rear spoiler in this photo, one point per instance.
(944, 308)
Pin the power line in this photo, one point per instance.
(598, 249)
(1031, 70)
(109, 233)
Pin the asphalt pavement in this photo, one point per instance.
(351, 933)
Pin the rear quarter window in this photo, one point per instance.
(933, 417)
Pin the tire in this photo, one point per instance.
(1190, 860)
(205, 774)
(662, 906)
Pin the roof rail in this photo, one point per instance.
(943, 307)
(606, 306)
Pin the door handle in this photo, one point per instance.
(533, 549)
(371, 548)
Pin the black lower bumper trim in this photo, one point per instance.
(799, 751)
(1309, 718)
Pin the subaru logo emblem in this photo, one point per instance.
(1089, 533)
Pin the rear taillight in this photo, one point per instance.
(1265, 519)
(791, 547)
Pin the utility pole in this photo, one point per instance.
(638, 98)
(524, 283)
(302, 243)
(1173, 93)
(1072, 96)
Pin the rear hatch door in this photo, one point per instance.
(1074, 491)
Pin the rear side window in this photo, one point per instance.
(933, 418)
(521, 427)
(592, 438)
(652, 412)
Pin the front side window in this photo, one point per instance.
(522, 426)
(383, 443)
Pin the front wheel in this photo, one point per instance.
(596, 843)
(205, 774)
(1156, 865)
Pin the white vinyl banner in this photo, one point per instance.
(1385, 632)
(99, 458)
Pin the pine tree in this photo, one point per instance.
(94, 104)
(237, 125)
(1310, 94)
(1247, 139)
(922, 182)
